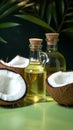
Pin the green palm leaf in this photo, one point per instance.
(2, 40)
(37, 21)
(4, 5)
(42, 8)
(68, 30)
(61, 7)
(68, 21)
(8, 24)
(69, 15)
(54, 15)
(49, 13)
(16, 6)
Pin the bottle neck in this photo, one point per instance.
(52, 48)
(52, 40)
(35, 54)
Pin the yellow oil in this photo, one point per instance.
(35, 77)
(56, 62)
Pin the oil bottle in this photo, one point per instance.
(34, 74)
(56, 61)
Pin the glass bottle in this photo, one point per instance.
(56, 61)
(34, 74)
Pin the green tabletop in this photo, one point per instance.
(40, 116)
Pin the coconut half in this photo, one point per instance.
(17, 64)
(12, 87)
(60, 87)
(17, 61)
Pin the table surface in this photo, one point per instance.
(40, 116)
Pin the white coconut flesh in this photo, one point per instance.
(12, 85)
(60, 79)
(17, 61)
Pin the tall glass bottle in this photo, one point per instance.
(34, 74)
(56, 61)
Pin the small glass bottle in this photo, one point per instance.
(34, 74)
(56, 61)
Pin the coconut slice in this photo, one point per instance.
(12, 86)
(17, 64)
(60, 87)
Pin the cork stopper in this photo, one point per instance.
(52, 38)
(35, 43)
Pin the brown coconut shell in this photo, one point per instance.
(62, 95)
(15, 69)
(9, 103)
